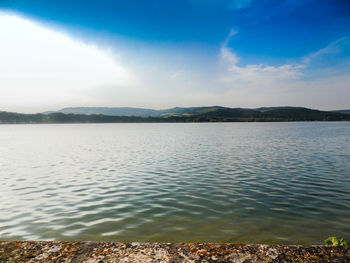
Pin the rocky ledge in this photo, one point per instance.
(98, 252)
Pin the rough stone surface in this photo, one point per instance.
(98, 252)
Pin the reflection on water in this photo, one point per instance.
(236, 182)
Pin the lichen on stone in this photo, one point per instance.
(97, 252)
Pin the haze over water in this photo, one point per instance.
(222, 182)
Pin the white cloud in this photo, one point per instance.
(253, 76)
(41, 68)
(228, 56)
(262, 85)
(325, 93)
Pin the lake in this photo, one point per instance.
(176, 182)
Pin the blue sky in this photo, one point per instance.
(241, 53)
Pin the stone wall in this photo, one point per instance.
(98, 252)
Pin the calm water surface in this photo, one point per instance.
(225, 182)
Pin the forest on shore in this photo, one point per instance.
(196, 114)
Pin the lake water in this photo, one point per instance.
(221, 182)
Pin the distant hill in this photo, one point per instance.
(138, 112)
(269, 114)
(217, 112)
(191, 114)
(342, 111)
(121, 111)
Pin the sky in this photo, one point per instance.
(162, 54)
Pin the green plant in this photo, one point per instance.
(334, 242)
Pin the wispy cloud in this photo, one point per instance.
(332, 48)
(226, 54)
(253, 74)
(240, 4)
(260, 84)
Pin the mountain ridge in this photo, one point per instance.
(133, 111)
(178, 114)
(175, 111)
(345, 111)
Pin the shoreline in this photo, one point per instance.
(97, 252)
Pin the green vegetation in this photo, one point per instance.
(334, 242)
(343, 111)
(198, 114)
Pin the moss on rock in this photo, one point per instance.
(97, 252)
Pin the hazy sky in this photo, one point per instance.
(161, 54)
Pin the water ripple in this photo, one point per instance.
(225, 182)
